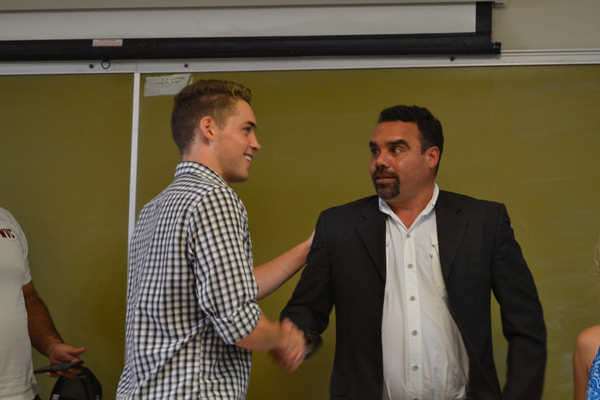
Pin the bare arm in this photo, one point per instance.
(283, 338)
(42, 333)
(274, 273)
(585, 350)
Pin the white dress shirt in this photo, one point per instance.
(424, 356)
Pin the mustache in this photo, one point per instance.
(382, 173)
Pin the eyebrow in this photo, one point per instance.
(392, 143)
(252, 124)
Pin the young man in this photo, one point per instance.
(410, 273)
(192, 315)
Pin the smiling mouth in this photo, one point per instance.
(248, 158)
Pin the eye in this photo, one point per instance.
(374, 152)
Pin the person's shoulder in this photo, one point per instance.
(217, 199)
(457, 200)
(353, 206)
(194, 188)
(586, 348)
(192, 195)
(346, 215)
(7, 217)
(589, 338)
(216, 192)
(463, 198)
(5, 214)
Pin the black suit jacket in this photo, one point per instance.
(479, 255)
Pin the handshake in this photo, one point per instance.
(293, 346)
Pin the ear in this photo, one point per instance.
(207, 129)
(433, 156)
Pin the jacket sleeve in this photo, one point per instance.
(312, 300)
(522, 316)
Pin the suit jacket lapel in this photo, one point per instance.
(451, 225)
(372, 234)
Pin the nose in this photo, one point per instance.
(254, 143)
(381, 160)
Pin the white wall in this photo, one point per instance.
(547, 24)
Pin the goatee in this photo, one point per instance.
(386, 191)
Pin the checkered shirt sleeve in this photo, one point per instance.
(226, 290)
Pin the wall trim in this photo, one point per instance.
(505, 58)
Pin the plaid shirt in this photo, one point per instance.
(191, 293)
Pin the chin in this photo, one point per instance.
(239, 179)
(387, 192)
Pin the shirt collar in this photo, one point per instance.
(385, 208)
(201, 170)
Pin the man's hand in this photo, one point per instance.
(289, 354)
(62, 353)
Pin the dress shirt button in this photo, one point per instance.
(415, 367)
(414, 333)
(410, 266)
(412, 298)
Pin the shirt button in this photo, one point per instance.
(410, 266)
(412, 298)
(414, 333)
(415, 367)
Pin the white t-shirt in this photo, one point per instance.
(16, 369)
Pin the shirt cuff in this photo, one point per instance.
(239, 325)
